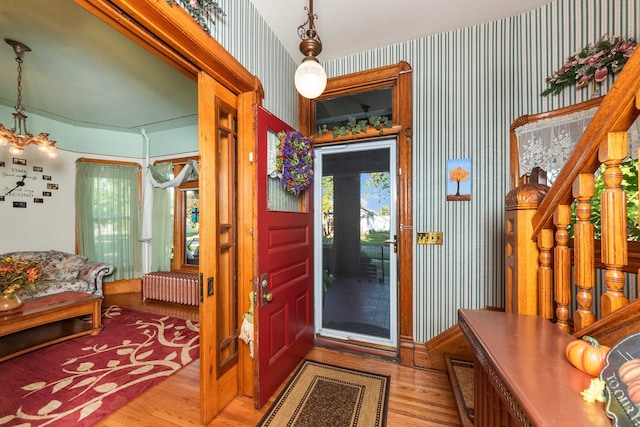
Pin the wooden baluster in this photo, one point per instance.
(614, 222)
(562, 267)
(583, 252)
(545, 274)
(521, 252)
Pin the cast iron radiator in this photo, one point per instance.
(181, 288)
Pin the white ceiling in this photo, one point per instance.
(83, 72)
(353, 26)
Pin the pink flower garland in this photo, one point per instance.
(593, 62)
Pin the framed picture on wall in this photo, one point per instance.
(459, 180)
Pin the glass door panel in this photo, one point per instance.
(356, 272)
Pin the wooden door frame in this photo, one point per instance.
(398, 77)
(172, 35)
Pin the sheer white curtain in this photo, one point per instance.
(107, 200)
(548, 143)
(162, 223)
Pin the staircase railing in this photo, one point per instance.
(543, 265)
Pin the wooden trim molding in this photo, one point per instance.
(363, 81)
(173, 35)
(113, 16)
(397, 77)
(122, 287)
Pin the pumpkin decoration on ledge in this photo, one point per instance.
(294, 161)
(587, 355)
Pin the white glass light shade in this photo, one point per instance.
(310, 79)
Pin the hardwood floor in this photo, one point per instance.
(417, 397)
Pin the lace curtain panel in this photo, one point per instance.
(548, 143)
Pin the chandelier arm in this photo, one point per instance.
(302, 31)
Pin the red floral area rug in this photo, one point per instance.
(80, 381)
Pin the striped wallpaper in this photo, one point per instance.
(469, 85)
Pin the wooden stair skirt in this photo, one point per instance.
(460, 373)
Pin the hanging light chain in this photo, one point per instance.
(19, 106)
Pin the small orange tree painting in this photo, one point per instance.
(458, 175)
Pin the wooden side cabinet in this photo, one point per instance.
(521, 375)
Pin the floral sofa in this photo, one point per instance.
(63, 271)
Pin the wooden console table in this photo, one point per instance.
(521, 375)
(48, 320)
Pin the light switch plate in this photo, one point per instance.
(430, 238)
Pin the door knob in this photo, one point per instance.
(267, 296)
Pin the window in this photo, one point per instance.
(108, 215)
(186, 238)
(174, 215)
(335, 112)
(190, 199)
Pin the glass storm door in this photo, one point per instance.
(356, 266)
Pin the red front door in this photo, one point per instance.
(285, 265)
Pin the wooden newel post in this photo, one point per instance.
(613, 206)
(522, 255)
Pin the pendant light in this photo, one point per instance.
(19, 136)
(310, 78)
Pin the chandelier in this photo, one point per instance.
(19, 136)
(310, 78)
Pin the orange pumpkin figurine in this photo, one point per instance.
(587, 355)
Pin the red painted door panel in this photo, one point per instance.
(285, 263)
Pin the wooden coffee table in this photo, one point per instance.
(48, 320)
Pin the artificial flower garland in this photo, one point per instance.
(294, 161)
(593, 62)
(202, 11)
